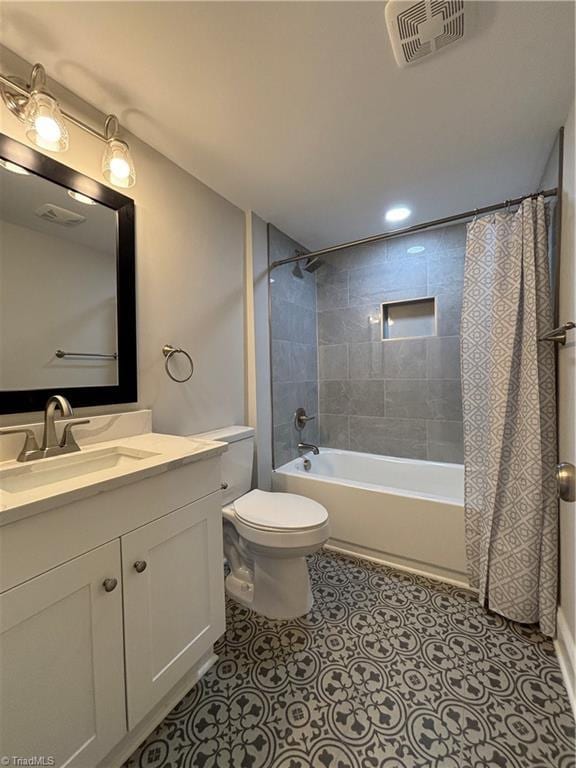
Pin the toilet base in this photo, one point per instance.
(280, 590)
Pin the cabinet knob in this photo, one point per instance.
(140, 565)
(223, 486)
(110, 584)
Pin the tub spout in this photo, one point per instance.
(309, 447)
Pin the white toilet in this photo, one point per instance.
(266, 535)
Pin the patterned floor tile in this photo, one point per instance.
(388, 670)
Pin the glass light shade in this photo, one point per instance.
(13, 167)
(117, 164)
(45, 125)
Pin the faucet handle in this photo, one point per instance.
(68, 440)
(30, 444)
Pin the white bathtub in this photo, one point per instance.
(407, 513)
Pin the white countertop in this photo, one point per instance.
(169, 452)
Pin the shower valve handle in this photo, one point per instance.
(300, 419)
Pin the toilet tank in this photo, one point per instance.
(237, 461)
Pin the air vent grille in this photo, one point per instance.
(57, 215)
(420, 29)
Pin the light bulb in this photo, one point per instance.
(13, 167)
(117, 165)
(80, 198)
(47, 129)
(119, 168)
(45, 124)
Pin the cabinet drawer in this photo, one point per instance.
(36, 544)
(62, 663)
(173, 599)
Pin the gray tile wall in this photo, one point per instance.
(399, 397)
(294, 349)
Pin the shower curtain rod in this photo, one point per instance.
(409, 230)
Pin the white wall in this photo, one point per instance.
(190, 278)
(54, 294)
(567, 409)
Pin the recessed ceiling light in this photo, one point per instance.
(80, 198)
(416, 249)
(13, 167)
(397, 214)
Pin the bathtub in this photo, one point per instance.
(402, 512)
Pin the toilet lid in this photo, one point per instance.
(281, 511)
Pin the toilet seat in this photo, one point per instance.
(281, 512)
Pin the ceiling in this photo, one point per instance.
(297, 110)
(22, 195)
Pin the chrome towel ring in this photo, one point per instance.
(169, 351)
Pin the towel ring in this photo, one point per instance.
(169, 351)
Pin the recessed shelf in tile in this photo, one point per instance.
(409, 319)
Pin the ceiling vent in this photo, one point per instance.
(420, 29)
(57, 215)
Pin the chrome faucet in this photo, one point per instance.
(309, 447)
(51, 446)
(49, 440)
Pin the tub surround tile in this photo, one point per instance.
(445, 441)
(328, 327)
(350, 324)
(404, 438)
(294, 347)
(333, 361)
(448, 311)
(392, 359)
(443, 357)
(331, 287)
(446, 269)
(281, 360)
(407, 398)
(375, 282)
(304, 362)
(334, 431)
(354, 397)
(454, 237)
(422, 398)
(397, 247)
(290, 395)
(445, 399)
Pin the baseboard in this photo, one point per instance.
(130, 743)
(565, 647)
(439, 574)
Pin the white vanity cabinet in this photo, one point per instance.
(173, 600)
(62, 661)
(109, 609)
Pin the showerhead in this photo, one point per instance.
(313, 264)
(297, 272)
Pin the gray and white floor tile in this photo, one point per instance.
(388, 670)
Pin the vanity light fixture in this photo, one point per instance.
(46, 127)
(117, 164)
(80, 198)
(13, 167)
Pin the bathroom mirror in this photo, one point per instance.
(67, 292)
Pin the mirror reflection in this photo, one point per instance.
(58, 287)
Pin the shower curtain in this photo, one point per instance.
(508, 392)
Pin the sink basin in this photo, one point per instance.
(68, 467)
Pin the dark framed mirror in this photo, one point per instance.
(67, 285)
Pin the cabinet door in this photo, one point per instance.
(62, 662)
(173, 599)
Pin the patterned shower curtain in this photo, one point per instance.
(508, 392)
